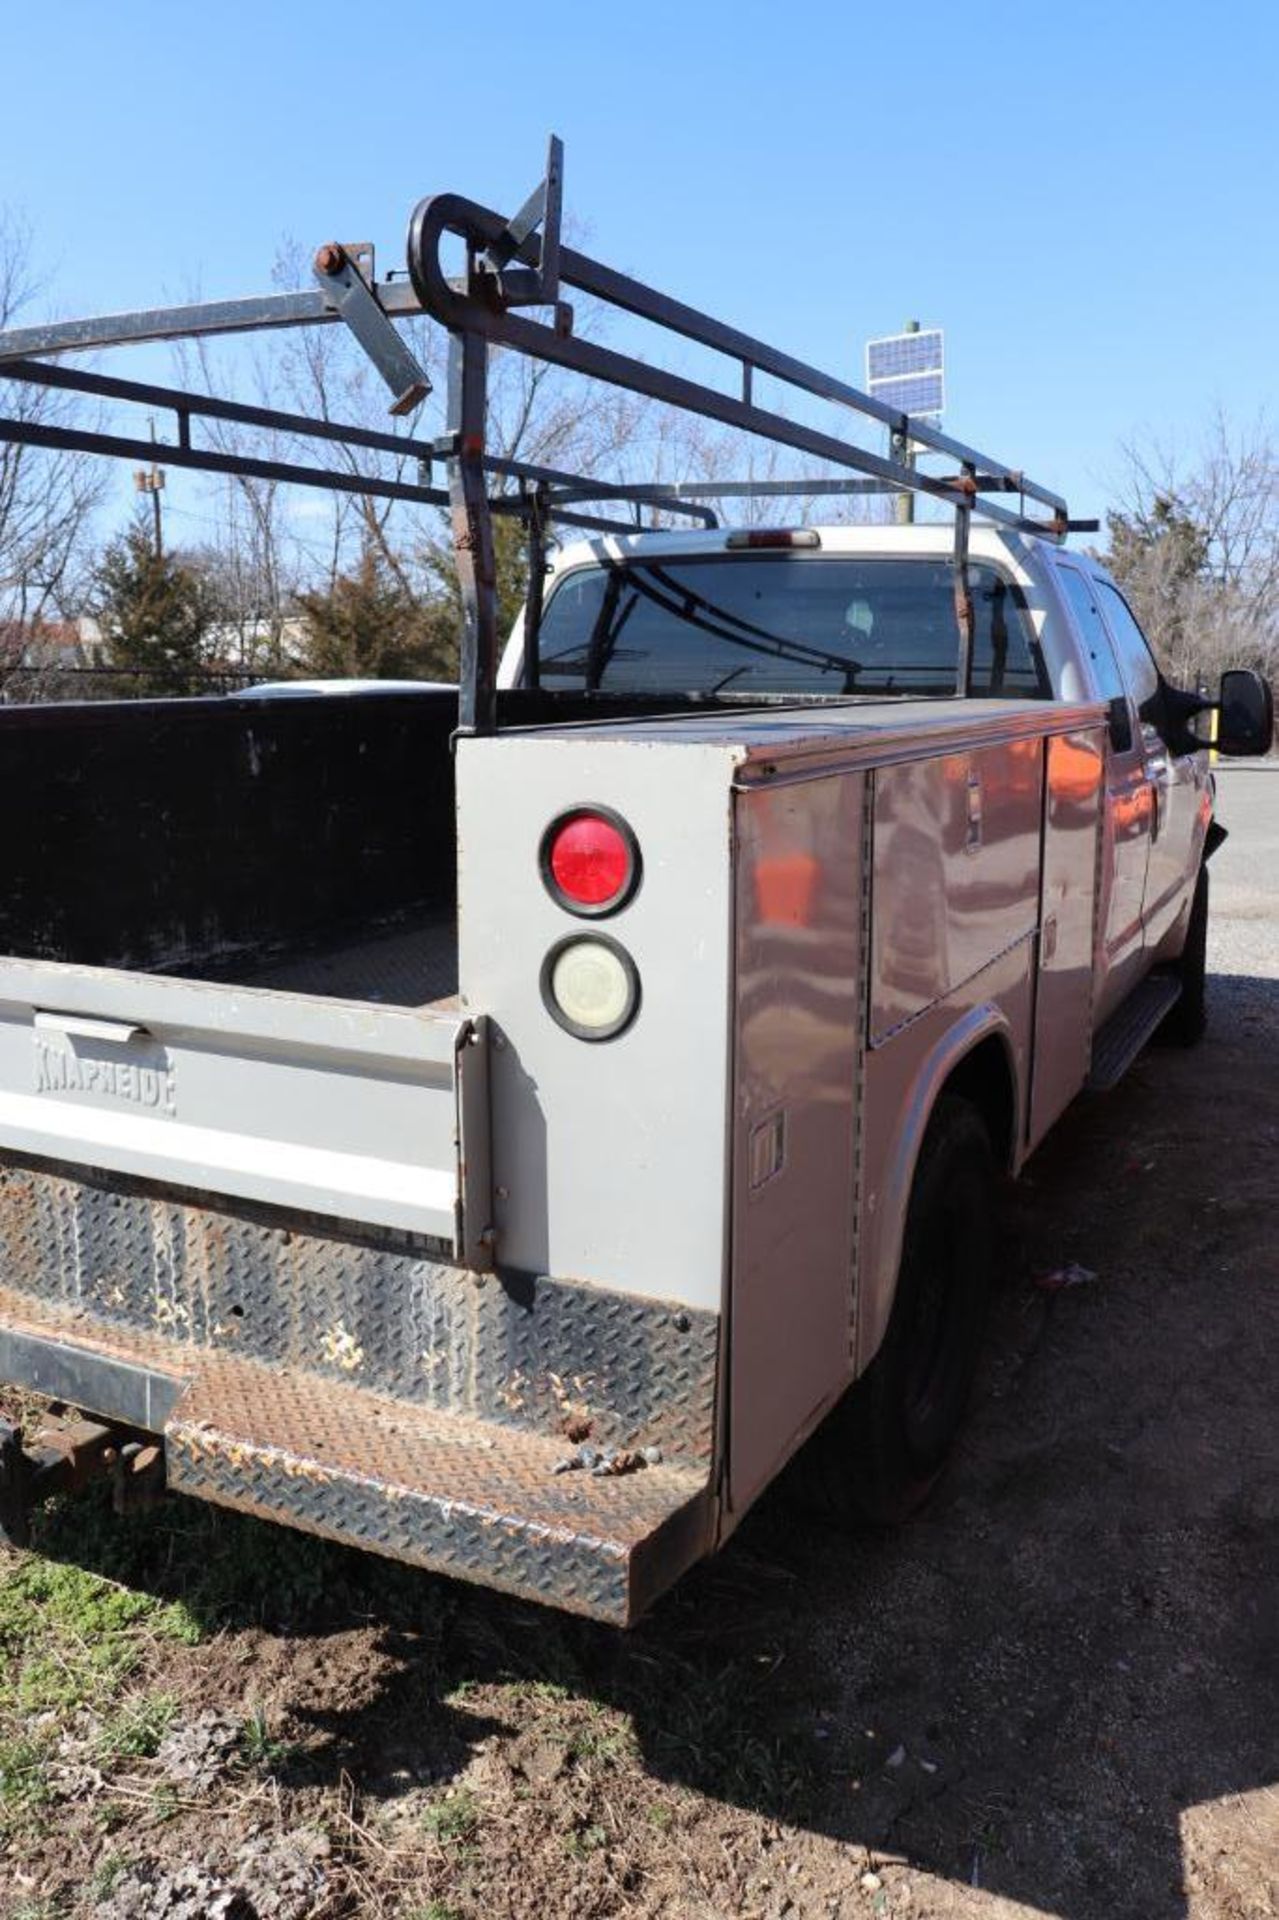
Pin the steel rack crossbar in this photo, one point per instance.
(510, 264)
(182, 453)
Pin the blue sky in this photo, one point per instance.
(1083, 196)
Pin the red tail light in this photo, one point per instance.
(590, 861)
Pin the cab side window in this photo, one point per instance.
(1135, 658)
(1006, 660)
(1083, 604)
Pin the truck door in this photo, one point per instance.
(1177, 781)
(1129, 804)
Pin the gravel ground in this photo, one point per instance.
(1245, 872)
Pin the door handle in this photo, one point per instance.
(79, 1026)
(1158, 776)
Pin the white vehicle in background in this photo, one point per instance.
(332, 689)
(500, 1126)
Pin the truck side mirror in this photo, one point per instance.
(1245, 713)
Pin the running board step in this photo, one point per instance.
(458, 1495)
(1118, 1043)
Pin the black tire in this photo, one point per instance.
(1185, 1023)
(879, 1455)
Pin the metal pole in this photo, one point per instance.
(536, 528)
(152, 482)
(155, 484)
(963, 597)
(903, 451)
(472, 532)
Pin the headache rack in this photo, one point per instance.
(511, 264)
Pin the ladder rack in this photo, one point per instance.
(511, 264)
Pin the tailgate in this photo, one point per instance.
(364, 1113)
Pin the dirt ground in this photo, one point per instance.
(1056, 1693)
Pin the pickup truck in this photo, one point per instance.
(504, 1145)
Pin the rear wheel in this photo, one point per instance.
(878, 1456)
(1185, 1022)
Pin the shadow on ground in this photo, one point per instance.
(1030, 1687)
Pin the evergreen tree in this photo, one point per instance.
(368, 627)
(511, 566)
(157, 616)
(1161, 555)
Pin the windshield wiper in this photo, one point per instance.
(692, 609)
(774, 643)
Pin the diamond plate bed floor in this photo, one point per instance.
(459, 1495)
(410, 965)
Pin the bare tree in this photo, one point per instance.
(273, 556)
(1195, 544)
(47, 498)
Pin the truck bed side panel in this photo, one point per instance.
(167, 834)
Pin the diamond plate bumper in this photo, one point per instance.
(460, 1496)
(364, 1390)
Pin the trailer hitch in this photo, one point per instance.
(66, 1459)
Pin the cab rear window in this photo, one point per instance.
(783, 624)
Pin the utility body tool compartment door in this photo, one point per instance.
(363, 1113)
(954, 917)
(800, 994)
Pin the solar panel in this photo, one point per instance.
(907, 371)
(913, 393)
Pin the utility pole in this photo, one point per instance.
(903, 451)
(152, 481)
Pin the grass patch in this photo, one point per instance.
(261, 1748)
(108, 1873)
(69, 1638)
(584, 1841)
(718, 1733)
(136, 1728)
(226, 1570)
(602, 1743)
(165, 1804)
(110, 1815)
(24, 1783)
(544, 1692)
(454, 1820)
